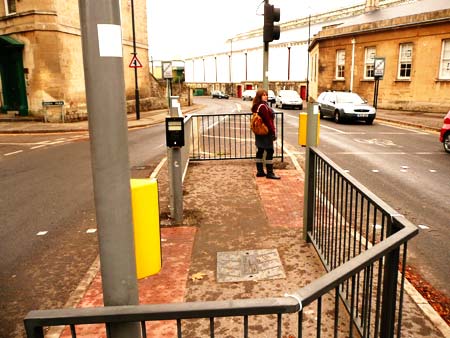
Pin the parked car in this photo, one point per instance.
(270, 96)
(248, 94)
(219, 95)
(345, 106)
(445, 133)
(288, 98)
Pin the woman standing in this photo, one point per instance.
(264, 143)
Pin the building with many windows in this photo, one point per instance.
(411, 40)
(41, 56)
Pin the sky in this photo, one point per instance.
(178, 29)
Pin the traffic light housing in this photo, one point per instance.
(271, 15)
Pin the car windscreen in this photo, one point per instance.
(349, 98)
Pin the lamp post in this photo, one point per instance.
(204, 72)
(307, 67)
(245, 65)
(215, 63)
(136, 91)
(289, 63)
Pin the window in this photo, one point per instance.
(404, 61)
(444, 72)
(368, 62)
(340, 64)
(10, 6)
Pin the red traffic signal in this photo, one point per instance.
(271, 15)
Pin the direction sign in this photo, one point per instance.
(135, 63)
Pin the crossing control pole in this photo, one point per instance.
(105, 92)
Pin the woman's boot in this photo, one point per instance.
(270, 173)
(260, 170)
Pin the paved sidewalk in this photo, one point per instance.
(232, 210)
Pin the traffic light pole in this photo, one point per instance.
(266, 66)
(270, 32)
(266, 58)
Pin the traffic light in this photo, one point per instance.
(271, 15)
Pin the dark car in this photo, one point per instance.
(345, 106)
(445, 133)
(217, 94)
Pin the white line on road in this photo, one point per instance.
(42, 233)
(13, 153)
(40, 146)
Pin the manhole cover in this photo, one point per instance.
(247, 265)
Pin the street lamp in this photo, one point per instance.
(245, 65)
(136, 92)
(307, 67)
(289, 63)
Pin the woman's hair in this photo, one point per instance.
(258, 97)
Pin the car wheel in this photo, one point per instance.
(369, 121)
(301, 107)
(447, 142)
(320, 113)
(337, 117)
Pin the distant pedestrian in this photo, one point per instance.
(264, 143)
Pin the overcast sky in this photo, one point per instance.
(178, 29)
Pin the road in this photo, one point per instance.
(47, 227)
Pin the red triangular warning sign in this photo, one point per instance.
(135, 63)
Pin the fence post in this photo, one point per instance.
(309, 188)
(389, 300)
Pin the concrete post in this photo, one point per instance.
(105, 91)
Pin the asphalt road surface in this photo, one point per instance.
(47, 229)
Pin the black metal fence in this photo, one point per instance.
(228, 136)
(360, 240)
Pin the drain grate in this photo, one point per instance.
(249, 265)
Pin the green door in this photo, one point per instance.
(14, 96)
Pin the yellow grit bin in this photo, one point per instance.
(147, 237)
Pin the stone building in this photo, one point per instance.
(413, 39)
(41, 56)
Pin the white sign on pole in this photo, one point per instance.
(167, 70)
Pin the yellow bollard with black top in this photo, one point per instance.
(313, 125)
(147, 236)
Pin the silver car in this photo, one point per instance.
(248, 94)
(345, 106)
(288, 98)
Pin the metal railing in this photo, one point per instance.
(359, 239)
(228, 136)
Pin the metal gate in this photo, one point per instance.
(228, 137)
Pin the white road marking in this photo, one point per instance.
(375, 171)
(404, 167)
(433, 171)
(42, 233)
(40, 146)
(333, 129)
(423, 226)
(91, 231)
(13, 153)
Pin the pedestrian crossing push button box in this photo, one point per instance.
(175, 131)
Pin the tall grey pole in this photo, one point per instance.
(266, 62)
(105, 93)
(266, 66)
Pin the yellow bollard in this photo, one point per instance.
(302, 127)
(147, 238)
